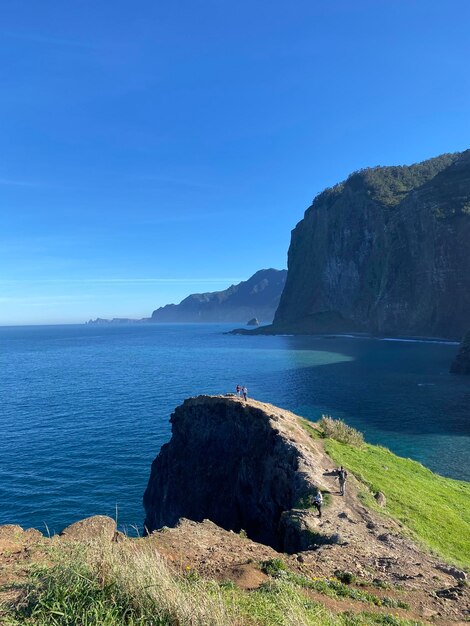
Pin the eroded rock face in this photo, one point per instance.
(232, 462)
(386, 251)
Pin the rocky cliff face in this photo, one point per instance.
(256, 297)
(461, 364)
(387, 251)
(238, 464)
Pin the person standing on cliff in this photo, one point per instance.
(342, 475)
(238, 388)
(318, 501)
(245, 393)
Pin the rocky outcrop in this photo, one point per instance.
(387, 252)
(210, 553)
(238, 464)
(461, 364)
(95, 528)
(253, 322)
(257, 297)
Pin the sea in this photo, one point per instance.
(84, 409)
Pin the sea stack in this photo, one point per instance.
(461, 364)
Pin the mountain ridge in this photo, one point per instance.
(257, 297)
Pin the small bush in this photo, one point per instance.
(380, 584)
(345, 577)
(273, 567)
(340, 431)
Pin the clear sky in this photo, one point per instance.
(154, 149)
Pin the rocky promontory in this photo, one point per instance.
(231, 531)
(237, 464)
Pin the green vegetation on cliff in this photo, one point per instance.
(433, 509)
(389, 185)
(128, 584)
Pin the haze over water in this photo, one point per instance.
(85, 409)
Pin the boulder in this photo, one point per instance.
(380, 498)
(299, 530)
(11, 531)
(98, 527)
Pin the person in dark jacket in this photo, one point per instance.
(341, 475)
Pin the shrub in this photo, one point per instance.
(339, 430)
(273, 567)
(345, 577)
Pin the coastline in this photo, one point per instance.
(399, 338)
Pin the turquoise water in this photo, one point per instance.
(85, 409)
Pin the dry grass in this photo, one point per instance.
(340, 431)
(137, 569)
(129, 584)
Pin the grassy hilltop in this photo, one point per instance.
(432, 509)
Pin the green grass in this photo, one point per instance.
(309, 427)
(331, 587)
(436, 510)
(283, 603)
(63, 596)
(130, 585)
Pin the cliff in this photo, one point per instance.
(386, 252)
(461, 364)
(256, 297)
(233, 462)
(253, 467)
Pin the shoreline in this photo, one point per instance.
(333, 335)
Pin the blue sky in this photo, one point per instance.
(150, 150)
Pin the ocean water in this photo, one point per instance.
(85, 409)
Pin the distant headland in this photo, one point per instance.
(255, 298)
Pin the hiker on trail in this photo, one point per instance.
(318, 501)
(245, 393)
(238, 390)
(341, 475)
